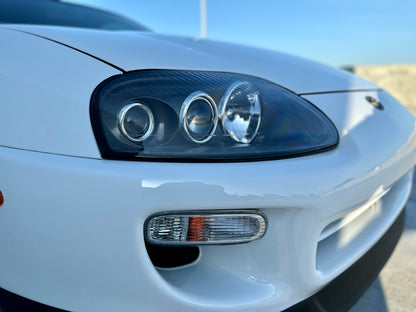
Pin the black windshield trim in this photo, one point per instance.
(57, 13)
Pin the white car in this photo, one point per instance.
(143, 172)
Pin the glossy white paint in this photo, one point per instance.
(131, 50)
(45, 91)
(71, 228)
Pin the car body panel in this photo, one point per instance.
(45, 94)
(91, 224)
(132, 50)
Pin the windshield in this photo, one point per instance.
(56, 13)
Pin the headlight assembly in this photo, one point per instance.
(204, 116)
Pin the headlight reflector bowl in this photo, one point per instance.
(240, 112)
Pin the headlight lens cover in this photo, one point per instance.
(204, 116)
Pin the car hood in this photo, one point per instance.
(134, 50)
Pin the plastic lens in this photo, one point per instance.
(174, 117)
(205, 228)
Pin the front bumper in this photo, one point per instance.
(338, 295)
(341, 293)
(71, 229)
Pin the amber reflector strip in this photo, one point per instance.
(195, 228)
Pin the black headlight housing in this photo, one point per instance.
(175, 115)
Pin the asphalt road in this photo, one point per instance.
(395, 288)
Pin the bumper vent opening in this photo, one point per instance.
(171, 257)
(344, 240)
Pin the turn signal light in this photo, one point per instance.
(205, 228)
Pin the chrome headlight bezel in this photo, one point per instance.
(271, 122)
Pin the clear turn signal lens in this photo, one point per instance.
(205, 228)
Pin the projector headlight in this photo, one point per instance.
(205, 116)
(198, 117)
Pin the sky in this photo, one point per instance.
(338, 33)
